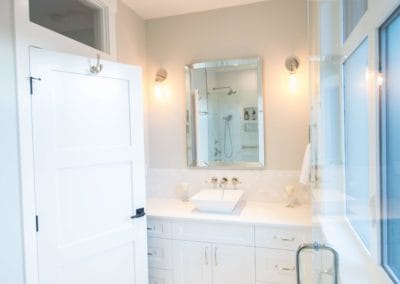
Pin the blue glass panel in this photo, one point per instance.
(391, 191)
(356, 141)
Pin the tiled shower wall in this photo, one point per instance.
(259, 185)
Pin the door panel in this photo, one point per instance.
(104, 267)
(89, 171)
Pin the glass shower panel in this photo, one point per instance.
(356, 141)
(390, 45)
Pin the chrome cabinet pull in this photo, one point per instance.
(285, 239)
(215, 256)
(287, 269)
(206, 255)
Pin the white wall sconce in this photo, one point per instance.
(159, 86)
(292, 64)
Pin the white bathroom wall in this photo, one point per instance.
(272, 30)
(11, 259)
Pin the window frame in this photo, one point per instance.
(364, 40)
(345, 36)
(383, 142)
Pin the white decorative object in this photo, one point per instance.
(291, 199)
(183, 191)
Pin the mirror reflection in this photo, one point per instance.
(225, 114)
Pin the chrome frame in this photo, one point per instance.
(317, 247)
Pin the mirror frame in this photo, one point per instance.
(193, 163)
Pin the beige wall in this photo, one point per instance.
(273, 30)
(131, 36)
(131, 49)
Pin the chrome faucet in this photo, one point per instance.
(223, 182)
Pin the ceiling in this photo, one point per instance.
(150, 9)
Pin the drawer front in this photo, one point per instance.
(280, 238)
(275, 266)
(160, 276)
(217, 233)
(158, 228)
(160, 253)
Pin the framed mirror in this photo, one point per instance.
(224, 114)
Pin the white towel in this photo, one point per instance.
(306, 167)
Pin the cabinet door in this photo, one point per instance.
(234, 264)
(160, 276)
(192, 262)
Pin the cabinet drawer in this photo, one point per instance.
(275, 266)
(281, 238)
(217, 233)
(160, 253)
(160, 276)
(158, 228)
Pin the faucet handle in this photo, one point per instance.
(235, 182)
(213, 181)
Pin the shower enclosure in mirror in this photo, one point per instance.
(225, 121)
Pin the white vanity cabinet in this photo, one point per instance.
(192, 262)
(205, 263)
(233, 264)
(276, 253)
(206, 252)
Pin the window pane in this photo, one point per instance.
(353, 10)
(76, 19)
(391, 153)
(356, 141)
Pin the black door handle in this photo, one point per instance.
(139, 213)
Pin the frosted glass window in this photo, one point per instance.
(390, 46)
(353, 10)
(80, 20)
(356, 141)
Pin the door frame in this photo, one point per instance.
(29, 35)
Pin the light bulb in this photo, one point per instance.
(161, 91)
(292, 83)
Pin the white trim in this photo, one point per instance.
(29, 34)
(368, 27)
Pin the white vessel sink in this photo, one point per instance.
(217, 200)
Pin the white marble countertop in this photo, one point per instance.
(259, 213)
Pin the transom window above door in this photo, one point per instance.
(85, 21)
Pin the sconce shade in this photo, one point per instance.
(292, 64)
(161, 75)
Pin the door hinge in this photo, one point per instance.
(37, 223)
(31, 79)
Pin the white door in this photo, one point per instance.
(192, 263)
(234, 264)
(89, 170)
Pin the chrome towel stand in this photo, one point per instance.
(317, 247)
